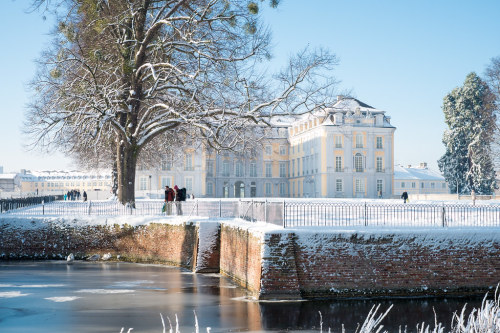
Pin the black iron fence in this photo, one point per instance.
(19, 203)
(299, 214)
(286, 213)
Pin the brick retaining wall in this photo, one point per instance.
(397, 264)
(174, 244)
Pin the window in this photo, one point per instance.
(166, 164)
(298, 166)
(338, 163)
(253, 169)
(380, 167)
(413, 185)
(422, 185)
(293, 189)
(433, 185)
(282, 169)
(225, 169)
(360, 185)
(379, 142)
(338, 141)
(443, 185)
(143, 183)
(268, 150)
(358, 162)
(165, 181)
(282, 190)
(293, 168)
(189, 184)
(298, 188)
(268, 189)
(239, 169)
(269, 170)
(189, 162)
(210, 168)
(338, 185)
(359, 140)
(282, 150)
(380, 186)
(402, 184)
(210, 189)
(304, 166)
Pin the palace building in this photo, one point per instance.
(343, 151)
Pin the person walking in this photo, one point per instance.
(178, 199)
(84, 195)
(404, 196)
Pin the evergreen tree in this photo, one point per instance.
(470, 115)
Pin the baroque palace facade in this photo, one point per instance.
(344, 151)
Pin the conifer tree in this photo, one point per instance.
(470, 115)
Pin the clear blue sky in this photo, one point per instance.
(399, 56)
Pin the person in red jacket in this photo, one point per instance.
(169, 197)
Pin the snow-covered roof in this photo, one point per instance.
(416, 173)
(280, 121)
(347, 105)
(63, 173)
(8, 175)
(353, 111)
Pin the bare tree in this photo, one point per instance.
(122, 73)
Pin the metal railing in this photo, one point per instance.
(19, 203)
(286, 213)
(299, 214)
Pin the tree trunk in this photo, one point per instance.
(126, 159)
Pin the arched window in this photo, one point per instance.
(239, 189)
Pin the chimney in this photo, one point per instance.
(423, 165)
(340, 97)
(409, 166)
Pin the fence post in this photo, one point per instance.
(284, 214)
(43, 207)
(220, 207)
(443, 217)
(366, 215)
(239, 208)
(252, 210)
(197, 208)
(265, 211)
(90, 205)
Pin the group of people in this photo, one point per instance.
(74, 195)
(176, 195)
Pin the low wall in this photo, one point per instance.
(401, 263)
(272, 262)
(154, 242)
(334, 263)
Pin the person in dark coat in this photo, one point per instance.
(84, 196)
(178, 200)
(404, 196)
